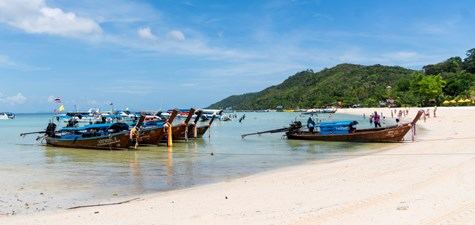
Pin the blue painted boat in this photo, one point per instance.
(111, 136)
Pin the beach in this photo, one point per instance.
(429, 181)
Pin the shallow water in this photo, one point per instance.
(37, 177)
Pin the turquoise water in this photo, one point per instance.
(37, 177)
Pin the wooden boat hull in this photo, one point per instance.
(388, 134)
(180, 131)
(160, 135)
(152, 136)
(200, 131)
(108, 142)
(385, 134)
(156, 135)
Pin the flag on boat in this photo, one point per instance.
(61, 108)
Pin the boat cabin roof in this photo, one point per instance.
(102, 126)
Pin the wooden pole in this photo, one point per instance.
(170, 135)
(195, 131)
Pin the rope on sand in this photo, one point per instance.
(104, 204)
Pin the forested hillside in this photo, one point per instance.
(349, 84)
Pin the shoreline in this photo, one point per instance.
(383, 187)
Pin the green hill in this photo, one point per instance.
(349, 84)
(345, 83)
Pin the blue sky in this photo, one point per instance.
(162, 54)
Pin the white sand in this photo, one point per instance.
(431, 181)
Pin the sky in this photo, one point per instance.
(149, 55)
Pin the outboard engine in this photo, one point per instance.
(118, 127)
(50, 129)
(295, 126)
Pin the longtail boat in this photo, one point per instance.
(315, 111)
(201, 130)
(154, 132)
(103, 136)
(192, 127)
(179, 131)
(338, 132)
(95, 136)
(344, 131)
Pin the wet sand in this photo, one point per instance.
(430, 181)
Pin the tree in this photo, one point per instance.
(451, 65)
(469, 62)
(458, 84)
(427, 88)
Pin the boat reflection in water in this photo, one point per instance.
(133, 172)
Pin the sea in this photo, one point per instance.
(36, 177)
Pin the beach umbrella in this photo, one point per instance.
(446, 102)
(460, 101)
(453, 101)
(467, 100)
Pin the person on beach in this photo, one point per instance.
(428, 113)
(310, 124)
(371, 119)
(242, 118)
(392, 114)
(377, 120)
(134, 135)
(435, 109)
(399, 116)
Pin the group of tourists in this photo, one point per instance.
(376, 118)
(427, 114)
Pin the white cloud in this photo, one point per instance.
(79, 21)
(188, 47)
(176, 35)
(35, 16)
(146, 33)
(17, 99)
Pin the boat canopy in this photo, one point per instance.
(340, 123)
(336, 127)
(77, 114)
(102, 126)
